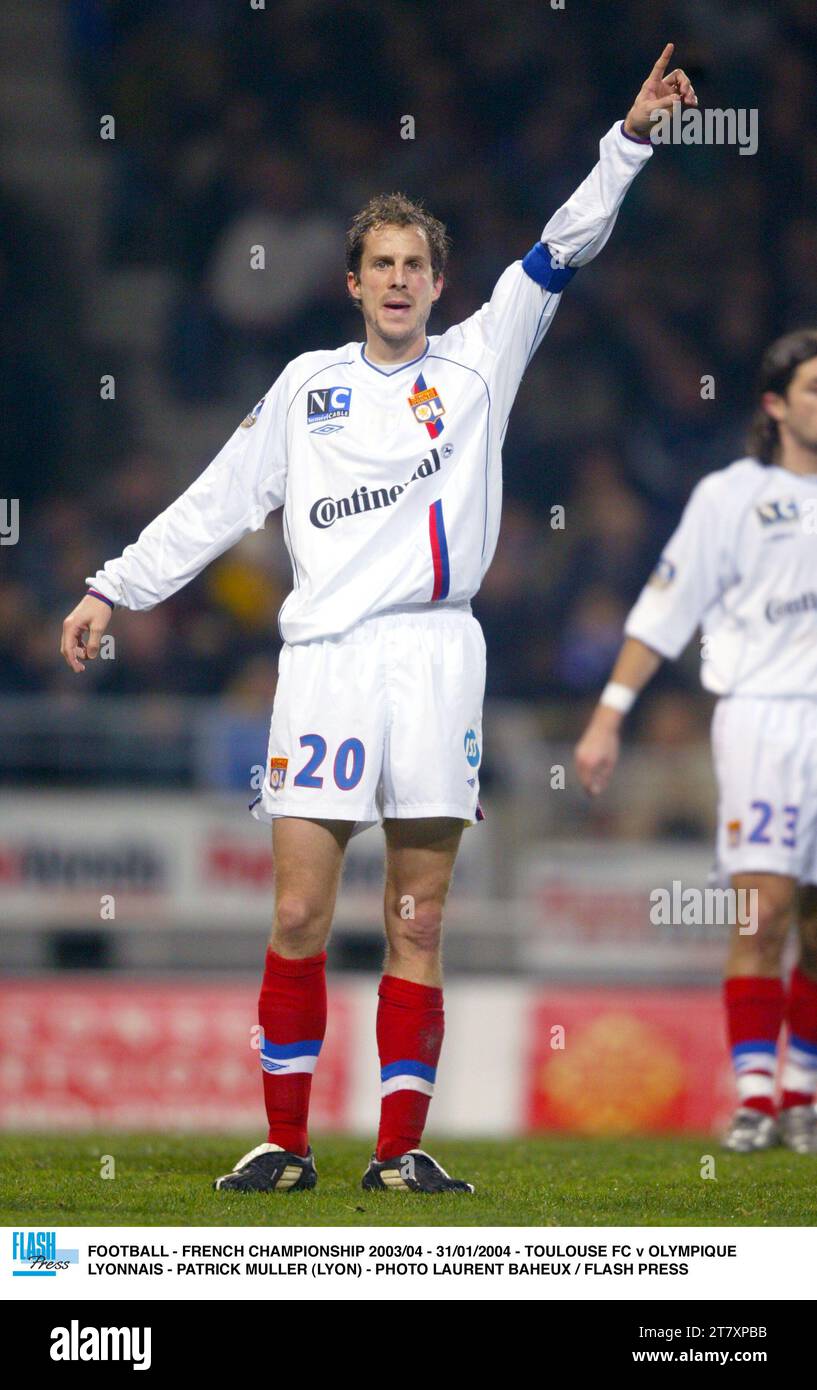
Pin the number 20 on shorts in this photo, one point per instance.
(347, 768)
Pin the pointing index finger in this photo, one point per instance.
(658, 70)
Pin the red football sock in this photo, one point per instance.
(410, 1026)
(292, 1014)
(800, 1066)
(754, 1012)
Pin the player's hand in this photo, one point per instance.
(91, 616)
(659, 93)
(597, 751)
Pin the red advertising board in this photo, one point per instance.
(82, 1053)
(627, 1061)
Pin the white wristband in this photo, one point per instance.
(618, 696)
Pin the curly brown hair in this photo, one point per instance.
(396, 210)
(779, 364)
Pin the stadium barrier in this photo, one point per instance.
(194, 873)
(108, 1054)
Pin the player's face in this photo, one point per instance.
(396, 287)
(796, 412)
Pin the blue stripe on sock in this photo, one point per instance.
(310, 1048)
(408, 1068)
(758, 1045)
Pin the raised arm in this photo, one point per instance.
(514, 321)
(579, 229)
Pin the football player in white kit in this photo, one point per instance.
(386, 458)
(743, 565)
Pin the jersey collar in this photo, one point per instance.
(400, 367)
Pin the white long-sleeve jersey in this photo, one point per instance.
(742, 565)
(390, 477)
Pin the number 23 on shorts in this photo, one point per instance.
(762, 832)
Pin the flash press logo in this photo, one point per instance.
(75, 1343)
(35, 1255)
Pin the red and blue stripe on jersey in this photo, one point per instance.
(439, 551)
(436, 523)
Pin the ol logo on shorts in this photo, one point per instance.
(277, 773)
(471, 748)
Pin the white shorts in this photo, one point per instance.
(765, 753)
(384, 721)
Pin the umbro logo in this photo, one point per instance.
(327, 429)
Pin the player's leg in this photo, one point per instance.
(308, 857)
(753, 997)
(435, 675)
(322, 770)
(762, 750)
(798, 1118)
(420, 858)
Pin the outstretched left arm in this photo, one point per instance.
(579, 229)
(526, 296)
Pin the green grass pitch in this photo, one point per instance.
(164, 1180)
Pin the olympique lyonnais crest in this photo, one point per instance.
(427, 408)
(277, 773)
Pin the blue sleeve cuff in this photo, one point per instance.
(538, 264)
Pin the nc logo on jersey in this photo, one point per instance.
(471, 746)
(329, 403)
(770, 513)
(663, 574)
(277, 773)
(248, 422)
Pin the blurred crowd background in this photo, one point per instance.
(233, 125)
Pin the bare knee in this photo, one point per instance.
(765, 951)
(760, 951)
(419, 931)
(298, 925)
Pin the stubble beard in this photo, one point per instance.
(400, 338)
